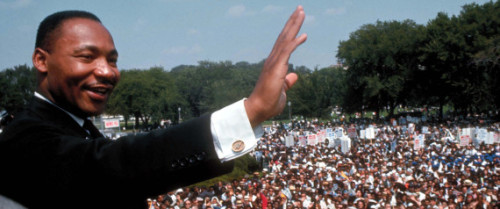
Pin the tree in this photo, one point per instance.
(210, 86)
(148, 95)
(459, 59)
(481, 24)
(18, 85)
(317, 92)
(379, 58)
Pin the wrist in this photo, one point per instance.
(252, 113)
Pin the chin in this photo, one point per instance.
(93, 111)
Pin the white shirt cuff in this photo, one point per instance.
(231, 124)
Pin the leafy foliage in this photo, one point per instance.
(452, 60)
(380, 57)
(17, 86)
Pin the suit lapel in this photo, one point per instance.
(56, 116)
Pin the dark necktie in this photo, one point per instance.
(94, 133)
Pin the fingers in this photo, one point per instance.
(294, 23)
(289, 32)
(287, 51)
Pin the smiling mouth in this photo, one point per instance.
(100, 90)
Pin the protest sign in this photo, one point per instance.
(321, 136)
(331, 136)
(370, 133)
(466, 132)
(329, 130)
(464, 140)
(311, 139)
(416, 143)
(411, 128)
(289, 141)
(419, 142)
(482, 134)
(339, 132)
(491, 138)
(345, 144)
(303, 140)
(362, 134)
(425, 130)
(112, 123)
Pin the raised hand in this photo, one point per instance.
(269, 95)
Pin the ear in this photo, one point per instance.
(40, 60)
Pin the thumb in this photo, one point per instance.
(290, 80)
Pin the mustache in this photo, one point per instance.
(106, 81)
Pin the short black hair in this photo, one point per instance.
(52, 22)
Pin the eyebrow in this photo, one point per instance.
(93, 48)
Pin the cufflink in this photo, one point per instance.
(238, 145)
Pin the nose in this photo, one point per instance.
(106, 72)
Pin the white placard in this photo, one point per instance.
(370, 133)
(289, 141)
(419, 142)
(411, 128)
(345, 144)
(425, 130)
(339, 132)
(466, 132)
(491, 138)
(464, 140)
(303, 141)
(321, 136)
(482, 134)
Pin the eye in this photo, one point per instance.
(86, 57)
(112, 60)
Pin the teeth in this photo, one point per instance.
(99, 90)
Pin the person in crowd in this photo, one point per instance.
(374, 174)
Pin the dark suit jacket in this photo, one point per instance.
(47, 162)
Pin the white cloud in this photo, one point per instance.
(15, 4)
(335, 11)
(236, 11)
(239, 11)
(272, 9)
(180, 50)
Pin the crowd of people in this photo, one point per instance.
(385, 172)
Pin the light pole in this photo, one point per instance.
(290, 110)
(179, 109)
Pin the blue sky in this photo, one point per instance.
(169, 33)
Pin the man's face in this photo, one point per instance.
(80, 70)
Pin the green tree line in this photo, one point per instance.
(450, 61)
